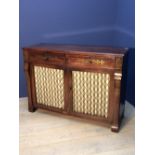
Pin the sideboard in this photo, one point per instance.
(83, 81)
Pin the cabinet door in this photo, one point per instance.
(91, 93)
(48, 87)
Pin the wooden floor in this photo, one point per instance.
(48, 133)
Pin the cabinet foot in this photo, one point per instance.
(32, 109)
(114, 128)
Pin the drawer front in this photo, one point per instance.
(47, 57)
(92, 62)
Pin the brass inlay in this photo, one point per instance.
(117, 76)
(98, 62)
(93, 61)
(91, 93)
(49, 85)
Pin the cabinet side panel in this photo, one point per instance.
(123, 84)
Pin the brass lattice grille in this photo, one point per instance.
(91, 93)
(49, 86)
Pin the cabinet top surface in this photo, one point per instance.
(77, 48)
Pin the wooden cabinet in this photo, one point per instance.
(83, 81)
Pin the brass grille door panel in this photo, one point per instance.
(49, 85)
(91, 93)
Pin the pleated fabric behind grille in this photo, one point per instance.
(91, 93)
(49, 86)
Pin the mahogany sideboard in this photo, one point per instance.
(83, 81)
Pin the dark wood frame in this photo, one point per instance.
(60, 57)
